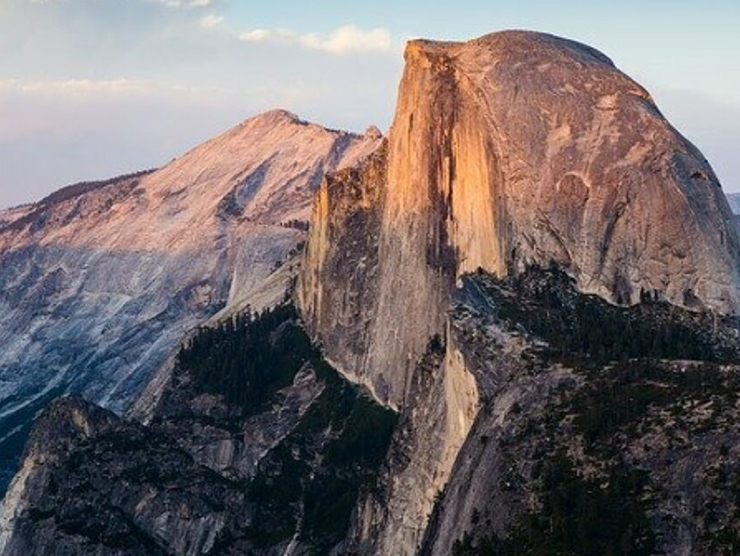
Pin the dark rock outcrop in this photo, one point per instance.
(601, 429)
(215, 472)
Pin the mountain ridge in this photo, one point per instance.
(101, 279)
(734, 200)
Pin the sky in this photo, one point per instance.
(91, 89)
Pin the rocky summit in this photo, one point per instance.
(512, 149)
(100, 281)
(513, 329)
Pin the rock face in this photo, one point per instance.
(601, 429)
(100, 281)
(520, 148)
(275, 472)
(535, 270)
(584, 441)
(507, 151)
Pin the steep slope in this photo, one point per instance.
(510, 150)
(257, 446)
(521, 148)
(602, 430)
(586, 441)
(535, 270)
(101, 280)
(734, 200)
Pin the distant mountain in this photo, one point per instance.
(100, 281)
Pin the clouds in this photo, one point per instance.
(210, 21)
(346, 39)
(185, 4)
(74, 87)
(256, 35)
(183, 17)
(110, 90)
(349, 39)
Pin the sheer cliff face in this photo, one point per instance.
(512, 149)
(100, 281)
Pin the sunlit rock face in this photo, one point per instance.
(100, 281)
(519, 148)
(510, 150)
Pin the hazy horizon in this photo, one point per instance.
(90, 89)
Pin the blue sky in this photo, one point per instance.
(94, 88)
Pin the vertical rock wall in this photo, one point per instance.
(509, 150)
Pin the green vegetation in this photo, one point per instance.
(546, 304)
(618, 397)
(359, 435)
(637, 371)
(629, 356)
(352, 460)
(302, 225)
(249, 357)
(578, 517)
(311, 480)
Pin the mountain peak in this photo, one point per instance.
(175, 245)
(373, 132)
(511, 150)
(531, 269)
(274, 116)
(522, 44)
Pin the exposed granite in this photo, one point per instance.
(586, 442)
(99, 282)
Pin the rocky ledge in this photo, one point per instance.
(256, 446)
